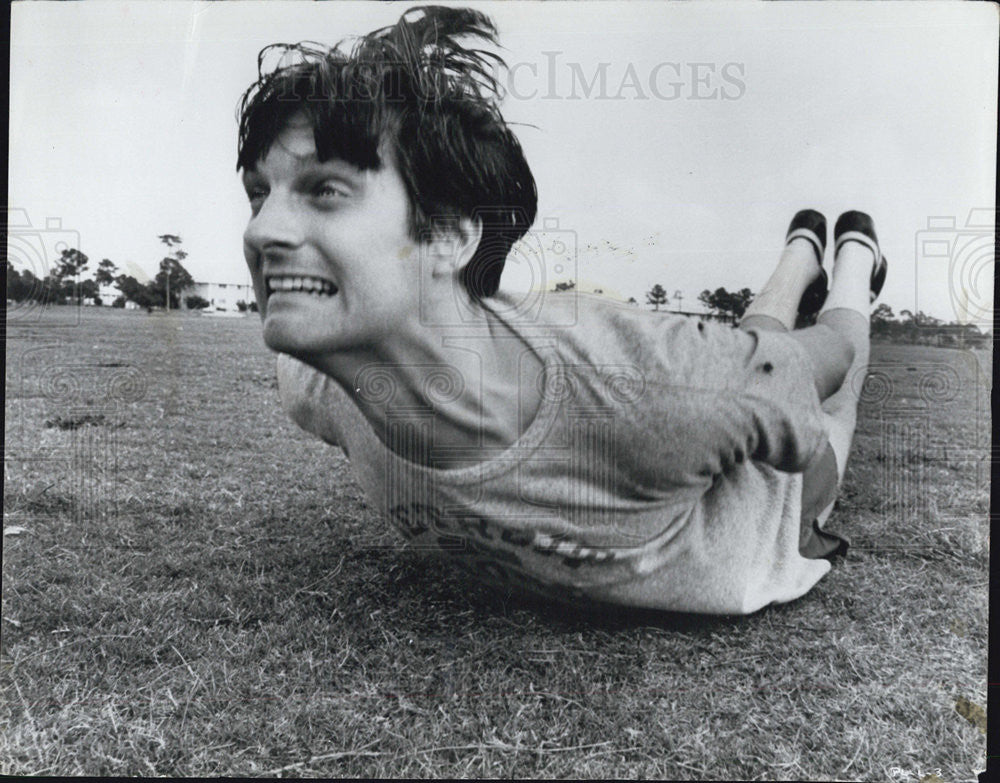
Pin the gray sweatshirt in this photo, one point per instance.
(662, 469)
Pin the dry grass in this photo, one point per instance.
(191, 586)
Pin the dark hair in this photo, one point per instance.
(410, 90)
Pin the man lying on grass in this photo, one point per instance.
(584, 450)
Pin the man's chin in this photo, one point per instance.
(298, 342)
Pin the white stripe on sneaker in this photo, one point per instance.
(864, 239)
(813, 239)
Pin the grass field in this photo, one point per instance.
(192, 586)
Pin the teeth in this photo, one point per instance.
(311, 285)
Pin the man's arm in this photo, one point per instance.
(830, 354)
(753, 394)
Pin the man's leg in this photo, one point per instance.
(838, 346)
(846, 312)
(776, 306)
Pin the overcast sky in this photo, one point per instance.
(671, 142)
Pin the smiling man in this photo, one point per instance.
(344, 283)
(585, 451)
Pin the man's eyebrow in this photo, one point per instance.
(311, 161)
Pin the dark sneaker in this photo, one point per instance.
(811, 225)
(858, 227)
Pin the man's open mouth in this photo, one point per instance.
(308, 285)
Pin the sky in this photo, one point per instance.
(671, 142)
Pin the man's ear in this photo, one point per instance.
(456, 246)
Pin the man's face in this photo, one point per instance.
(333, 265)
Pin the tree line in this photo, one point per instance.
(918, 327)
(726, 305)
(68, 281)
(908, 327)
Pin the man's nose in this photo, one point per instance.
(275, 226)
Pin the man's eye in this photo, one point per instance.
(256, 195)
(329, 190)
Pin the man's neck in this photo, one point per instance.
(473, 387)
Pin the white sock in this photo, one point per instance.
(850, 287)
(780, 296)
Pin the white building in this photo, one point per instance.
(221, 296)
(108, 293)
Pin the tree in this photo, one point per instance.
(87, 290)
(882, 313)
(24, 286)
(51, 289)
(105, 272)
(195, 302)
(883, 321)
(60, 283)
(565, 286)
(170, 282)
(71, 264)
(632, 300)
(733, 304)
(916, 327)
(135, 291)
(15, 286)
(920, 318)
(656, 296)
(169, 267)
